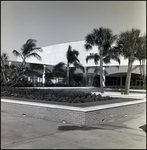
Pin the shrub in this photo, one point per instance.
(53, 95)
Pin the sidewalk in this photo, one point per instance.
(118, 94)
(20, 132)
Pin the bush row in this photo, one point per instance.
(53, 95)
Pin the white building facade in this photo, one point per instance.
(115, 74)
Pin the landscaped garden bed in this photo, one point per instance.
(53, 95)
(81, 98)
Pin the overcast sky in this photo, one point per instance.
(55, 22)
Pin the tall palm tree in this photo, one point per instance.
(103, 38)
(129, 45)
(72, 58)
(141, 56)
(4, 67)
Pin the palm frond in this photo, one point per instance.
(30, 46)
(90, 39)
(93, 56)
(80, 66)
(17, 54)
(72, 55)
(106, 59)
(87, 46)
(59, 67)
(34, 55)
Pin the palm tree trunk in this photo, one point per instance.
(101, 74)
(68, 74)
(127, 84)
(4, 77)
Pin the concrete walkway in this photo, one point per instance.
(20, 132)
(118, 94)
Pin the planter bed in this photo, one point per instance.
(85, 112)
(72, 115)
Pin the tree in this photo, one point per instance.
(4, 67)
(17, 74)
(141, 56)
(28, 49)
(59, 69)
(72, 58)
(103, 38)
(129, 44)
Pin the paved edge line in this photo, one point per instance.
(86, 109)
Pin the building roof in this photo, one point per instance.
(54, 54)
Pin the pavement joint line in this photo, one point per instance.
(86, 109)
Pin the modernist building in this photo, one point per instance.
(115, 74)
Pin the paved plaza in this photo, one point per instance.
(20, 132)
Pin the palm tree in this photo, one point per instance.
(129, 44)
(72, 58)
(141, 56)
(59, 69)
(28, 49)
(103, 39)
(4, 67)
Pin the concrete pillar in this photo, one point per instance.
(9, 63)
(29, 79)
(43, 76)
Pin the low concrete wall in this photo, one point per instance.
(72, 115)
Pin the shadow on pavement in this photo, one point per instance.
(143, 127)
(67, 128)
(84, 128)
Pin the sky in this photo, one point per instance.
(56, 22)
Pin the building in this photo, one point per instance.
(115, 74)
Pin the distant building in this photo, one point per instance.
(115, 74)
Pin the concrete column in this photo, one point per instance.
(9, 63)
(29, 79)
(43, 76)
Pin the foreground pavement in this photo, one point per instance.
(21, 132)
